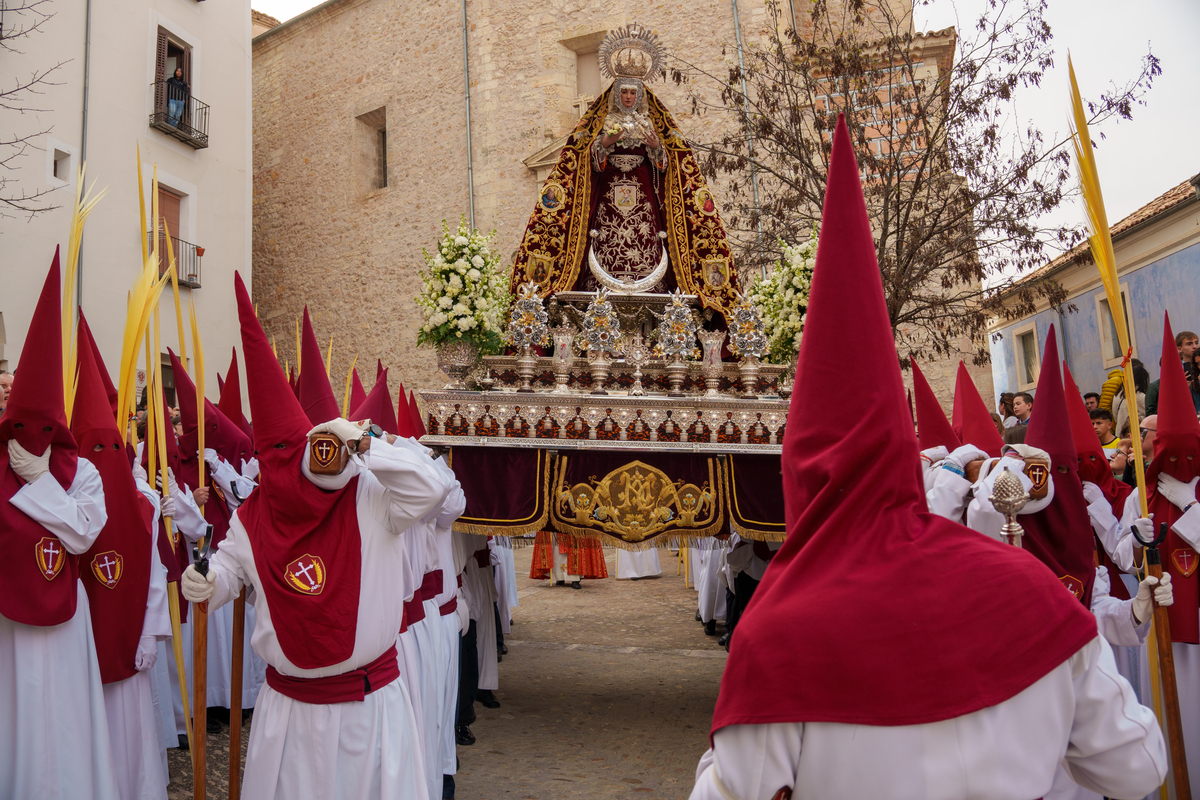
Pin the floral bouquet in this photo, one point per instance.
(464, 295)
(783, 298)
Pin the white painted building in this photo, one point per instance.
(110, 99)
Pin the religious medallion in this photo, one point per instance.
(50, 556)
(108, 567)
(306, 574)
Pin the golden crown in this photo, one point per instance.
(632, 52)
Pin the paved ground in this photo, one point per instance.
(606, 692)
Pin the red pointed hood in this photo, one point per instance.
(220, 433)
(418, 424)
(868, 583)
(169, 441)
(358, 394)
(932, 426)
(292, 384)
(404, 416)
(1060, 535)
(316, 395)
(35, 415)
(85, 335)
(91, 412)
(377, 407)
(972, 421)
(1093, 463)
(1178, 434)
(230, 403)
(378, 369)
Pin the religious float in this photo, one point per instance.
(632, 406)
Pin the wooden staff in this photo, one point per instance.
(235, 697)
(1166, 663)
(200, 610)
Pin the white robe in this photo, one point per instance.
(354, 750)
(481, 585)
(448, 625)
(1082, 714)
(711, 597)
(638, 563)
(54, 739)
(506, 581)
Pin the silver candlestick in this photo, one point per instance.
(637, 354)
(1009, 497)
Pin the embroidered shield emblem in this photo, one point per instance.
(1185, 560)
(108, 568)
(1039, 474)
(325, 449)
(306, 574)
(1073, 584)
(625, 195)
(50, 556)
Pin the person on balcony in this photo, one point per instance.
(178, 93)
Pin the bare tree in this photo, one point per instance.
(18, 97)
(956, 185)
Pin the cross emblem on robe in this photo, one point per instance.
(50, 557)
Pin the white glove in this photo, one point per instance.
(1145, 527)
(26, 464)
(147, 653)
(211, 456)
(196, 587)
(344, 429)
(166, 505)
(935, 454)
(1092, 493)
(1161, 592)
(1178, 493)
(965, 455)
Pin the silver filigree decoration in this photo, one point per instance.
(528, 322)
(676, 335)
(601, 328)
(747, 333)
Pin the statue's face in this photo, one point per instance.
(628, 96)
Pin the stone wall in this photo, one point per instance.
(352, 253)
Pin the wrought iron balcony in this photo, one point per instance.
(179, 114)
(187, 258)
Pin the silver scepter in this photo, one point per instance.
(1009, 497)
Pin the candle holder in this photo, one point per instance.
(637, 354)
(564, 355)
(710, 363)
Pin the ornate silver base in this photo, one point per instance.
(456, 360)
(749, 369)
(676, 372)
(526, 369)
(599, 365)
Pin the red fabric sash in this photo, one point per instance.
(450, 607)
(414, 610)
(39, 574)
(311, 579)
(116, 570)
(431, 585)
(349, 687)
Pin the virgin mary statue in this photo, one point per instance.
(626, 206)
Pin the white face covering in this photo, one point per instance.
(331, 483)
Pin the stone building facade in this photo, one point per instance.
(361, 143)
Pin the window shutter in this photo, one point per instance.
(187, 76)
(160, 70)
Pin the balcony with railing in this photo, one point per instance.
(177, 113)
(187, 258)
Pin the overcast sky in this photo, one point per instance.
(1139, 159)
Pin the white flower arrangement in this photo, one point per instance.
(464, 295)
(782, 297)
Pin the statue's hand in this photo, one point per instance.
(651, 140)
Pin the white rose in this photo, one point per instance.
(445, 302)
(461, 241)
(478, 261)
(464, 324)
(437, 319)
(455, 284)
(461, 309)
(474, 274)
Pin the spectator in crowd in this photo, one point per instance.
(1187, 343)
(1102, 423)
(1005, 408)
(1015, 434)
(1092, 401)
(1194, 378)
(6, 382)
(1022, 407)
(1152, 394)
(1141, 383)
(178, 93)
(998, 422)
(1149, 431)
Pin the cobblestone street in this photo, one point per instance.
(606, 692)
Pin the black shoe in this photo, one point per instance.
(710, 628)
(503, 648)
(487, 699)
(183, 742)
(575, 585)
(724, 640)
(463, 735)
(698, 617)
(213, 725)
(499, 656)
(560, 583)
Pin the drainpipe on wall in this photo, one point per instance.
(87, 64)
(737, 30)
(467, 86)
